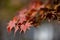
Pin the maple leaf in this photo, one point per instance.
(25, 27)
(22, 16)
(11, 24)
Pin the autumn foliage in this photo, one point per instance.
(33, 15)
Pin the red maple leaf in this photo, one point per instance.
(25, 27)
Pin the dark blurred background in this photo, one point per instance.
(9, 8)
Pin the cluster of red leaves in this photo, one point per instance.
(32, 16)
(22, 20)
